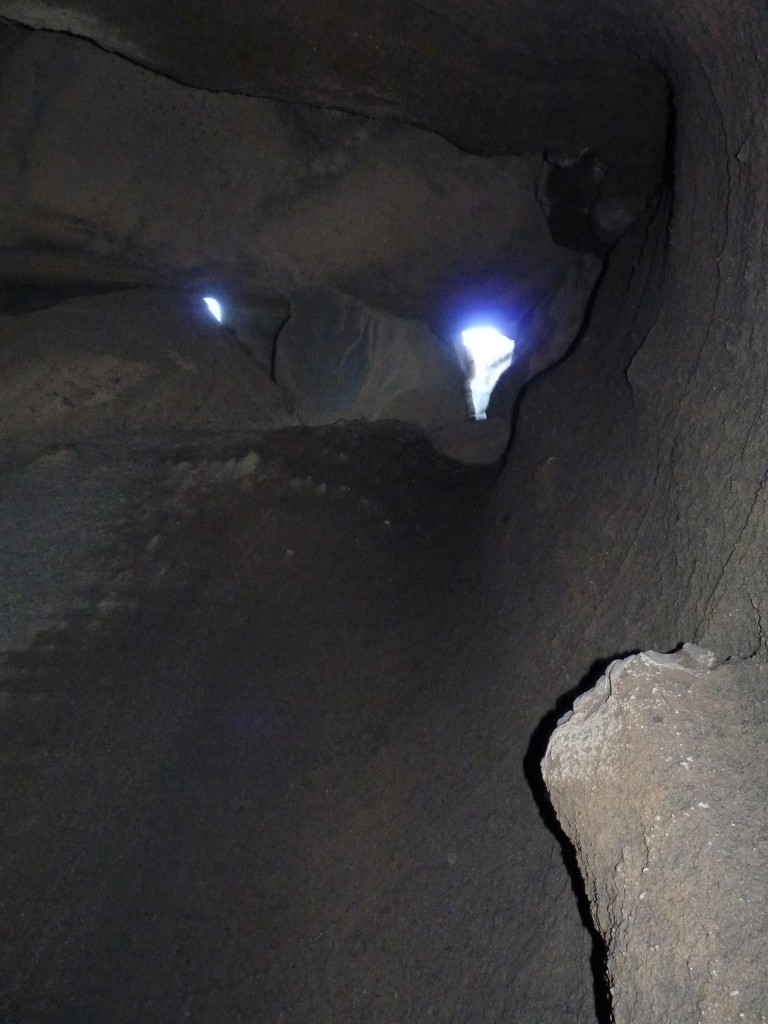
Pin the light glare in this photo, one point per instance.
(490, 353)
(215, 307)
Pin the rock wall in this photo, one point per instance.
(643, 452)
(631, 514)
(514, 77)
(112, 173)
(140, 361)
(658, 778)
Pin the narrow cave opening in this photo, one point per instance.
(256, 673)
(490, 353)
(214, 307)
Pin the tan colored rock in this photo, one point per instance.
(658, 777)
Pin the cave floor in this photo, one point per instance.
(230, 793)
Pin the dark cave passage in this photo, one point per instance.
(288, 631)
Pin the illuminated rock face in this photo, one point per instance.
(658, 778)
(341, 360)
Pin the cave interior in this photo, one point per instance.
(287, 629)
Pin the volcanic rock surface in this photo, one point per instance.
(658, 778)
(130, 362)
(382, 150)
(341, 360)
(120, 176)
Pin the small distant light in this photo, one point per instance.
(215, 307)
(491, 353)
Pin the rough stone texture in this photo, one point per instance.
(241, 780)
(341, 360)
(632, 509)
(106, 165)
(644, 452)
(584, 209)
(128, 362)
(658, 778)
(515, 76)
(545, 333)
(657, 421)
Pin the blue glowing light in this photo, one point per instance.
(215, 307)
(490, 353)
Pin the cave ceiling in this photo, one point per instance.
(497, 77)
(503, 78)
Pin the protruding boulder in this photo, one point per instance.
(658, 777)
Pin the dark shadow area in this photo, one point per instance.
(532, 771)
(20, 297)
(659, 203)
(578, 337)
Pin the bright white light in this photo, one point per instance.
(215, 307)
(491, 354)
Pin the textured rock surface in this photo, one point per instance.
(546, 331)
(108, 169)
(632, 511)
(659, 779)
(128, 362)
(516, 76)
(341, 360)
(236, 782)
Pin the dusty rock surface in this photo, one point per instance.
(255, 320)
(342, 360)
(243, 775)
(632, 514)
(128, 362)
(658, 777)
(147, 360)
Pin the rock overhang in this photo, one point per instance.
(514, 78)
(170, 185)
(438, 224)
(498, 79)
